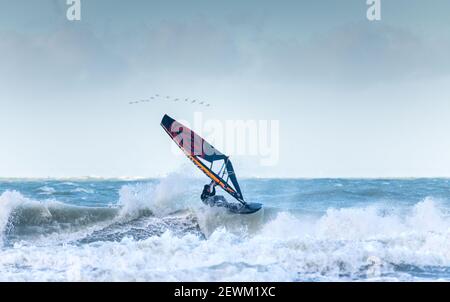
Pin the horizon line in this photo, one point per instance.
(137, 178)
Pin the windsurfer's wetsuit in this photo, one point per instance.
(209, 196)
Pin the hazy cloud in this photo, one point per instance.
(357, 55)
(188, 48)
(67, 59)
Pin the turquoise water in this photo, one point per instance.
(158, 230)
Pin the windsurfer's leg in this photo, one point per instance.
(220, 201)
(215, 201)
(221, 198)
(211, 201)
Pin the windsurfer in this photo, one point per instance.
(209, 196)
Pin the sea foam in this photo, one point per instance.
(343, 244)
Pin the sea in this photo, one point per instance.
(158, 230)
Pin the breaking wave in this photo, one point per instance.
(159, 232)
(21, 217)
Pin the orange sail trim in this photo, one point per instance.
(209, 174)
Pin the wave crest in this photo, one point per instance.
(22, 217)
(166, 197)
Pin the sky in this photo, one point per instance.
(352, 98)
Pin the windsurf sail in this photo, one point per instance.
(204, 156)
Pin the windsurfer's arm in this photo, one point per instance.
(212, 188)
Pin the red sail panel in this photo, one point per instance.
(189, 141)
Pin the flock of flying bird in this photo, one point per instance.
(157, 97)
